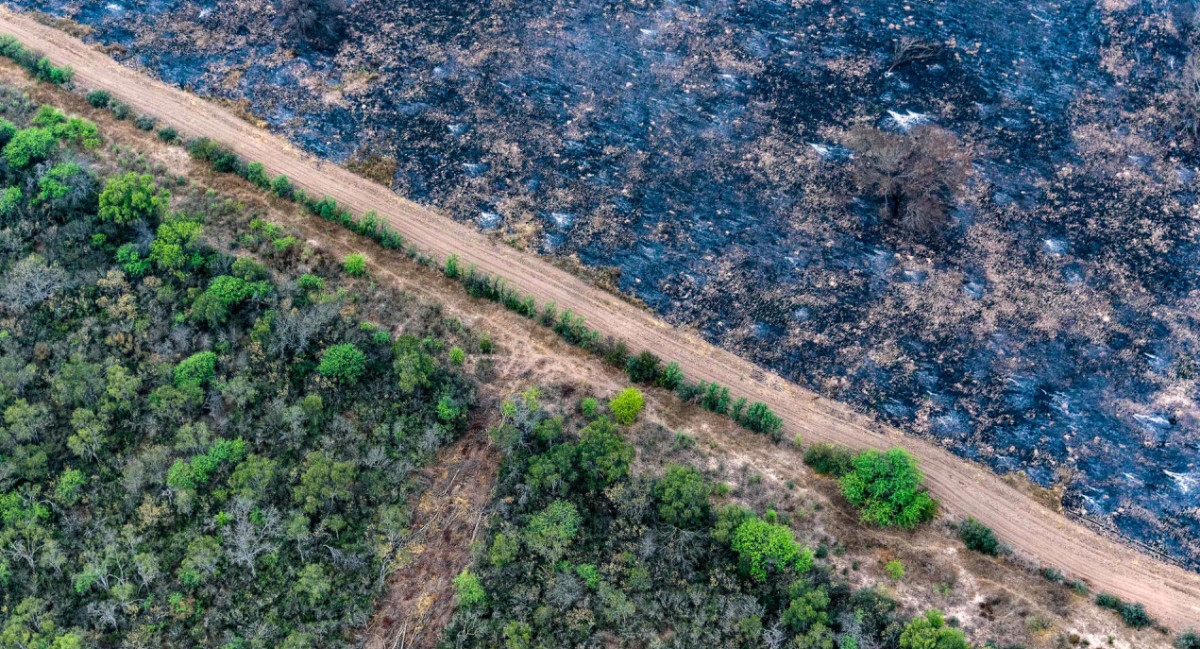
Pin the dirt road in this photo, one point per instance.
(1169, 592)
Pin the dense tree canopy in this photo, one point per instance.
(185, 457)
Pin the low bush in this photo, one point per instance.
(978, 537)
(120, 110)
(1189, 639)
(829, 459)
(99, 98)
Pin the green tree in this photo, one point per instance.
(468, 591)
(808, 607)
(603, 455)
(505, 548)
(644, 368)
(175, 238)
(829, 459)
(763, 546)
(323, 482)
(894, 569)
(344, 363)
(223, 293)
(69, 487)
(929, 631)
(282, 187)
(10, 200)
(59, 182)
(256, 174)
(414, 366)
(552, 531)
(1189, 639)
(682, 496)
(886, 488)
(99, 98)
(253, 477)
(313, 583)
(196, 369)
(553, 471)
(30, 145)
(132, 198)
(627, 405)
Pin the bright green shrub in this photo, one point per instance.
(627, 405)
(131, 198)
(355, 265)
(468, 591)
(929, 631)
(29, 145)
(886, 488)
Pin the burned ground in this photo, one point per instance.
(701, 149)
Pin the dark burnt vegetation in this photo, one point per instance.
(320, 24)
(913, 176)
(908, 49)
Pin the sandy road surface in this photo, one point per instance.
(1169, 592)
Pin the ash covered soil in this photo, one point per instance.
(708, 153)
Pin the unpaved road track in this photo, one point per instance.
(1169, 592)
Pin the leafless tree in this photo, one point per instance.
(247, 538)
(319, 22)
(914, 176)
(909, 49)
(29, 282)
(1187, 94)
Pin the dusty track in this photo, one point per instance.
(1169, 592)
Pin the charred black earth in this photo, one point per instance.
(705, 151)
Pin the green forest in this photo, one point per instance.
(202, 444)
(585, 551)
